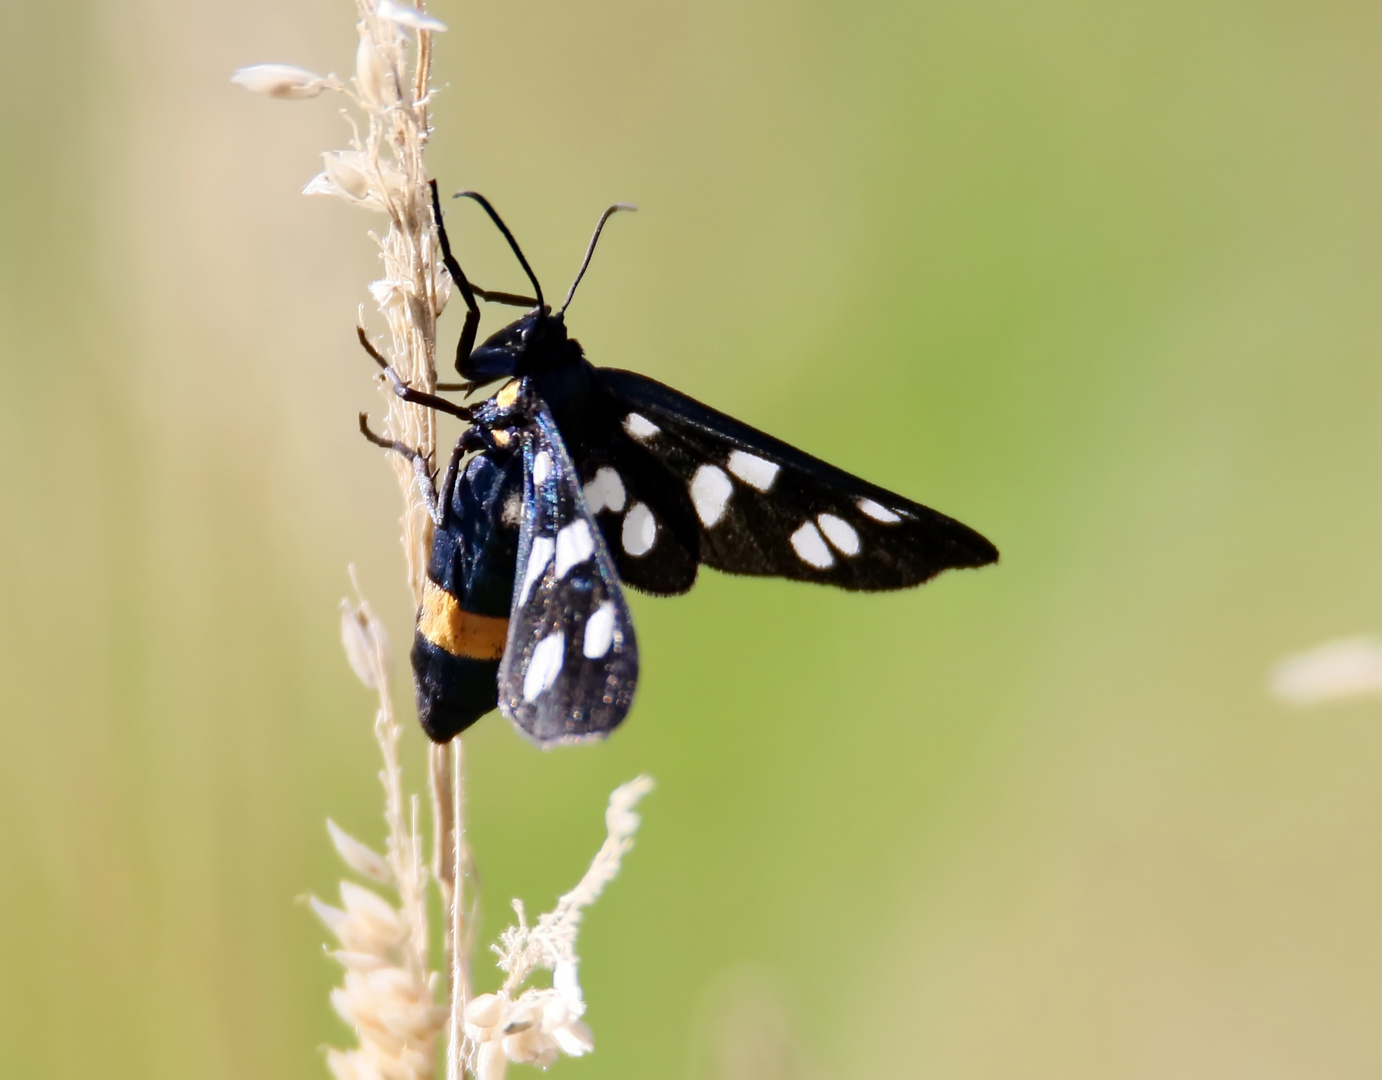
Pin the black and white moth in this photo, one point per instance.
(574, 480)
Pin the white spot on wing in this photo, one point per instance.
(640, 427)
(544, 666)
(574, 546)
(710, 491)
(538, 559)
(840, 533)
(755, 471)
(640, 530)
(811, 549)
(878, 512)
(542, 468)
(599, 631)
(605, 491)
(513, 509)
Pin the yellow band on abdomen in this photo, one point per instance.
(461, 633)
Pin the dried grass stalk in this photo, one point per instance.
(388, 995)
(383, 170)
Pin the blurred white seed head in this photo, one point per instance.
(388, 992)
(388, 293)
(365, 642)
(534, 1026)
(411, 17)
(386, 996)
(375, 78)
(359, 857)
(283, 81)
(384, 169)
(352, 175)
(1335, 671)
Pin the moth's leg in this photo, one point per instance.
(512, 299)
(448, 484)
(473, 438)
(406, 392)
(422, 471)
(465, 346)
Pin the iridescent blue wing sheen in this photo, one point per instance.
(571, 663)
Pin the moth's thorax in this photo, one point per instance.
(572, 394)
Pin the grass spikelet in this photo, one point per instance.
(535, 1025)
(388, 992)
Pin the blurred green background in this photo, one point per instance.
(1099, 280)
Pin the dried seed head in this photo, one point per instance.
(1335, 671)
(372, 921)
(484, 1011)
(358, 961)
(620, 819)
(441, 288)
(282, 81)
(351, 1066)
(333, 917)
(358, 857)
(491, 1062)
(411, 17)
(388, 294)
(365, 642)
(353, 176)
(373, 75)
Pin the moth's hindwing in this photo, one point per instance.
(767, 508)
(462, 625)
(571, 663)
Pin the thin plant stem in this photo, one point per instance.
(457, 1049)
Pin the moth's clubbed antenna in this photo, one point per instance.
(590, 249)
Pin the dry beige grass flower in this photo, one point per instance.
(382, 170)
(533, 1025)
(1348, 668)
(388, 995)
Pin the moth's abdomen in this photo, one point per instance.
(463, 623)
(456, 656)
(452, 691)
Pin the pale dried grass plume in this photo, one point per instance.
(382, 170)
(388, 994)
(1349, 668)
(534, 1025)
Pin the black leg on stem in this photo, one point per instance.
(422, 471)
(406, 392)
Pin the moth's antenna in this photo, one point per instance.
(494, 217)
(591, 249)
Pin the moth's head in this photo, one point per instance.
(532, 343)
